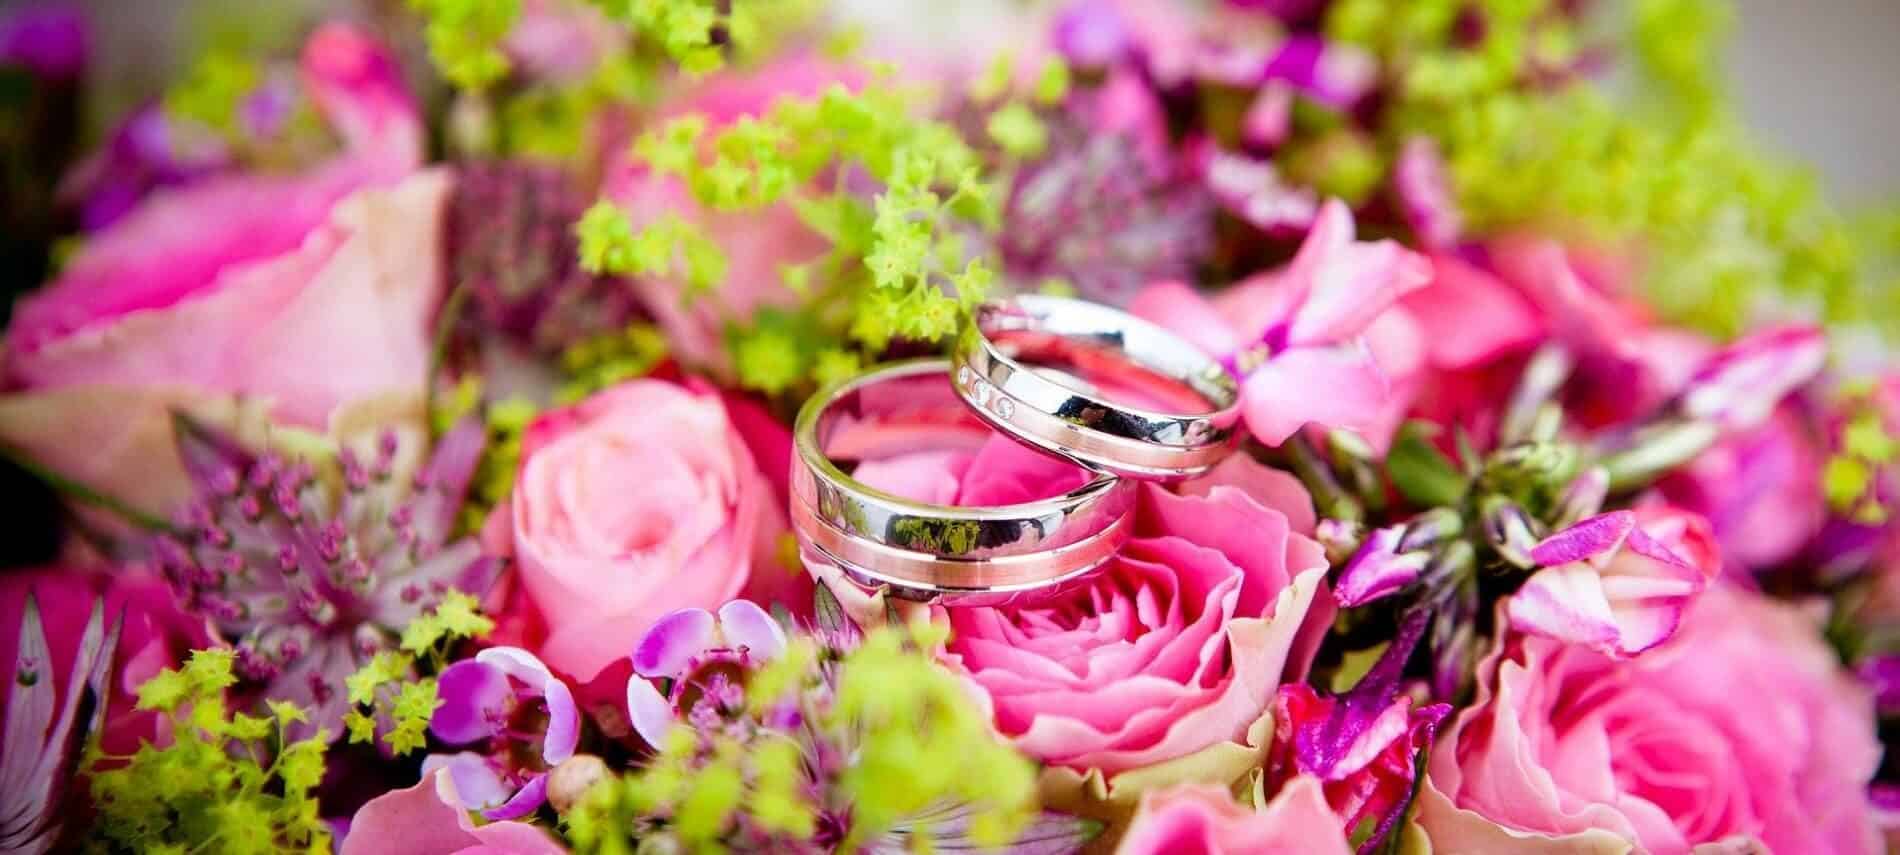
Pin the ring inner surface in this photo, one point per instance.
(910, 416)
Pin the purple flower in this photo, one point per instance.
(508, 699)
(1740, 386)
(52, 40)
(1607, 584)
(1380, 568)
(309, 580)
(1254, 191)
(1883, 674)
(701, 655)
(1091, 34)
(147, 151)
(1337, 75)
(41, 748)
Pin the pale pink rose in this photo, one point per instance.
(427, 819)
(155, 635)
(633, 503)
(1744, 725)
(1175, 647)
(1195, 819)
(1308, 338)
(298, 294)
(1613, 582)
(757, 244)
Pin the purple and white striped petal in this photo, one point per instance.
(1742, 384)
(673, 641)
(1608, 585)
(1379, 569)
(474, 697)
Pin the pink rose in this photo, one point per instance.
(756, 244)
(155, 635)
(1202, 820)
(1177, 646)
(427, 819)
(279, 296)
(1743, 725)
(633, 503)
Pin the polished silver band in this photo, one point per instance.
(1034, 367)
(939, 553)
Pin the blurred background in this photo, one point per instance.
(1819, 80)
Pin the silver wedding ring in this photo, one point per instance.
(938, 553)
(1119, 397)
(1060, 374)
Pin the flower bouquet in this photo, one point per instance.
(452, 428)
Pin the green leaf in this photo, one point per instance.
(1421, 472)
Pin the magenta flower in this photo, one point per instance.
(695, 649)
(1740, 386)
(1381, 568)
(1362, 746)
(506, 698)
(1299, 336)
(1609, 585)
(51, 40)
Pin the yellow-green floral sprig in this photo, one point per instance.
(229, 782)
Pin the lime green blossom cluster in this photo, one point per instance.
(1852, 474)
(898, 267)
(605, 360)
(1723, 227)
(228, 782)
(465, 38)
(387, 689)
(212, 88)
(701, 34)
(902, 738)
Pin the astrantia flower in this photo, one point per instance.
(506, 698)
(42, 741)
(308, 581)
(1608, 584)
(1106, 209)
(511, 240)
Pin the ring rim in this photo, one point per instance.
(1129, 441)
(1034, 545)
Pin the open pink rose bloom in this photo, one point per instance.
(873, 427)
